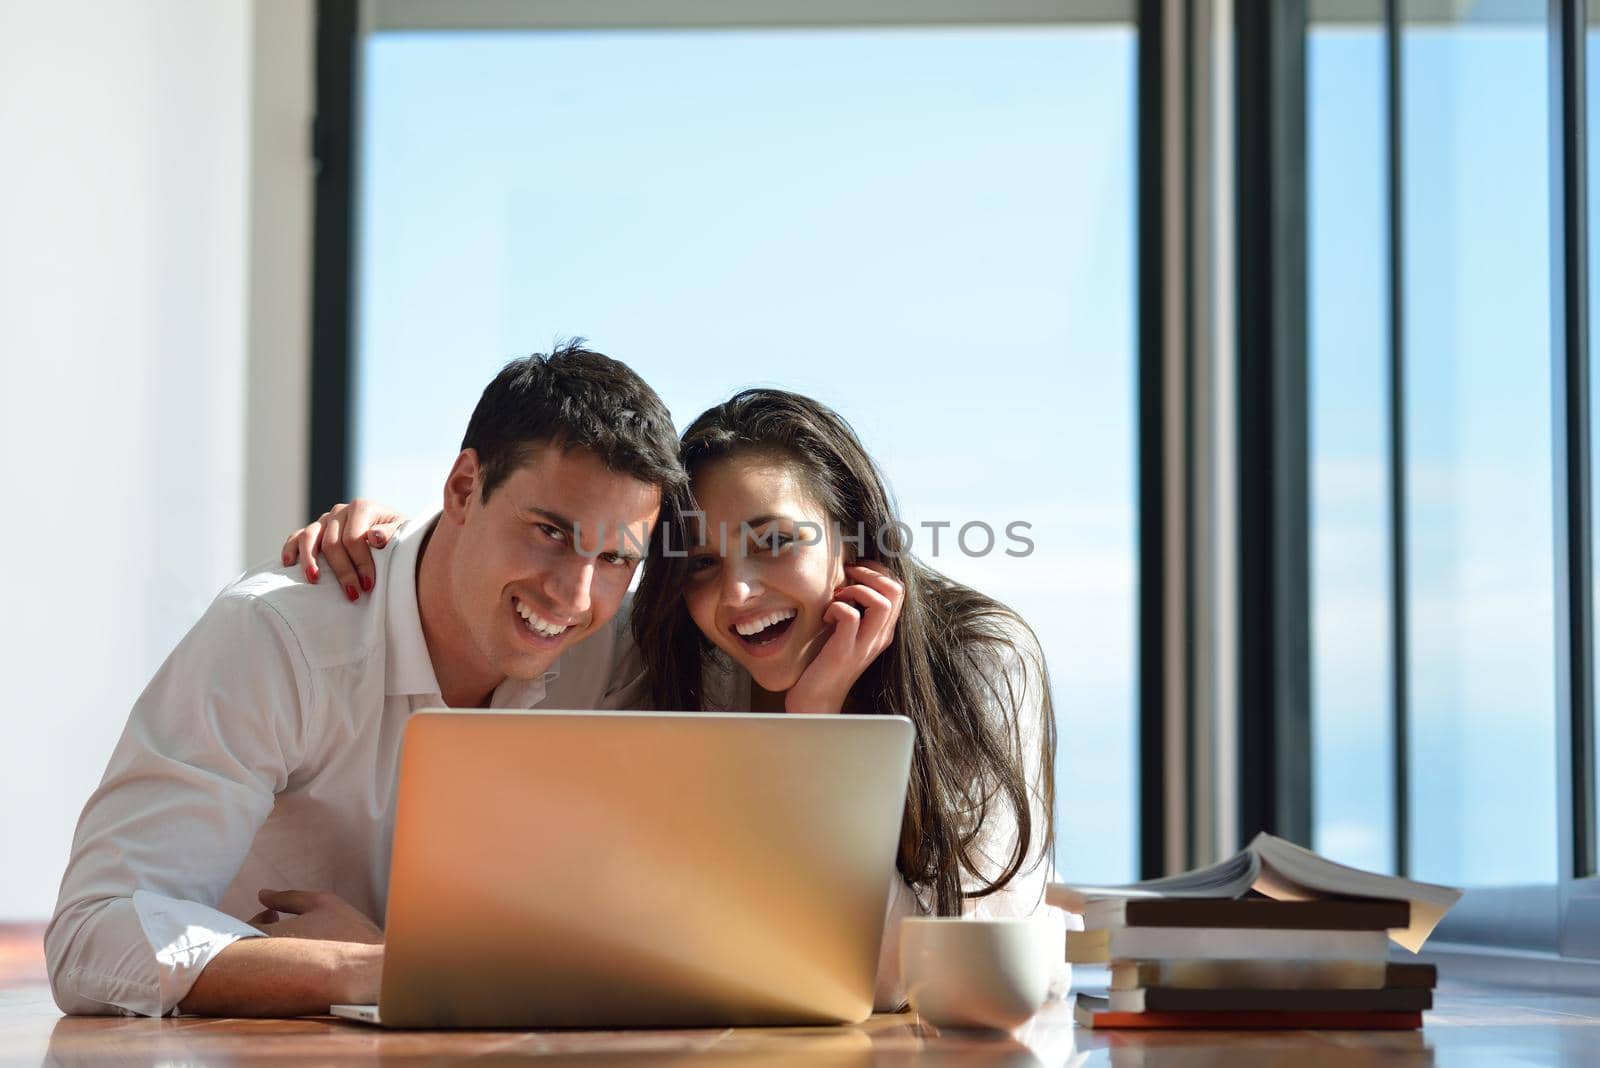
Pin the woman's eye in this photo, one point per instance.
(701, 564)
(774, 543)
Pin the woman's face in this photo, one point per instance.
(765, 568)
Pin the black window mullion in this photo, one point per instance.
(332, 361)
(1274, 665)
(1151, 430)
(1399, 605)
(1570, 418)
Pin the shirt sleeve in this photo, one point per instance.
(208, 745)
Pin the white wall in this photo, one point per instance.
(278, 383)
(137, 284)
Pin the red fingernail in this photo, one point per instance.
(350, 591)
(311, 574)
(366, 583)
(285, 559)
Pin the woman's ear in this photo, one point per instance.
(841, 560)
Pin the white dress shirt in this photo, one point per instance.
(263, 755)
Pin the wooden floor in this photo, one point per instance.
(1474, 1025)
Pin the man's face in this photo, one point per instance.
(547, 560)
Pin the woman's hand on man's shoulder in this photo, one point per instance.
(344, 536)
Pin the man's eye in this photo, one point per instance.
(555, 534)
(617, 559)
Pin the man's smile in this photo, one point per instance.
(538, 624)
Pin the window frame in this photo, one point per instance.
(343, 25)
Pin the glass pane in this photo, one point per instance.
(1348, 305)
(1477, 283)
(931, 230)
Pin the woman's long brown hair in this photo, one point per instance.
(958, 667)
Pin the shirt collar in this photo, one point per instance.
(408, 669)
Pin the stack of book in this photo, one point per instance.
(1274, 937)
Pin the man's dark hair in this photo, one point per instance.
(574, 399)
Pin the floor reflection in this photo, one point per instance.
(1257, 1049)
(184, 1041)
(1473, 1031)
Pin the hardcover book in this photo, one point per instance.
(1222, 943)
(1270, 974)
(1092, 1011)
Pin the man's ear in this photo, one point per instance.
(466, 475)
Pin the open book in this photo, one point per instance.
(1280, 869)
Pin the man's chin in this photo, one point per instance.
(525, 665)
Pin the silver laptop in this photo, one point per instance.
(639, 869)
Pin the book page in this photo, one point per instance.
(1291, 873)
(1227, 878)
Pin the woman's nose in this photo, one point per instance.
(738, 585)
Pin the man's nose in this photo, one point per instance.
(569, 585)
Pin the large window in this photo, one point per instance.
(1461, 339)
(930, 229)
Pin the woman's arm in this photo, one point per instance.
(1019, 707)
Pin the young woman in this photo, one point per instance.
(779, 582)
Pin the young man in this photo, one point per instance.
(257, 773)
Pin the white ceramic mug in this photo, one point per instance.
(991, 974)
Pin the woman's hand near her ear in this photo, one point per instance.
(345, 535)
(863, 614)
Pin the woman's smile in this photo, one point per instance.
(762, 633)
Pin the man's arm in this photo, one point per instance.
(207, 747)
(323, 952)
(286, 977)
